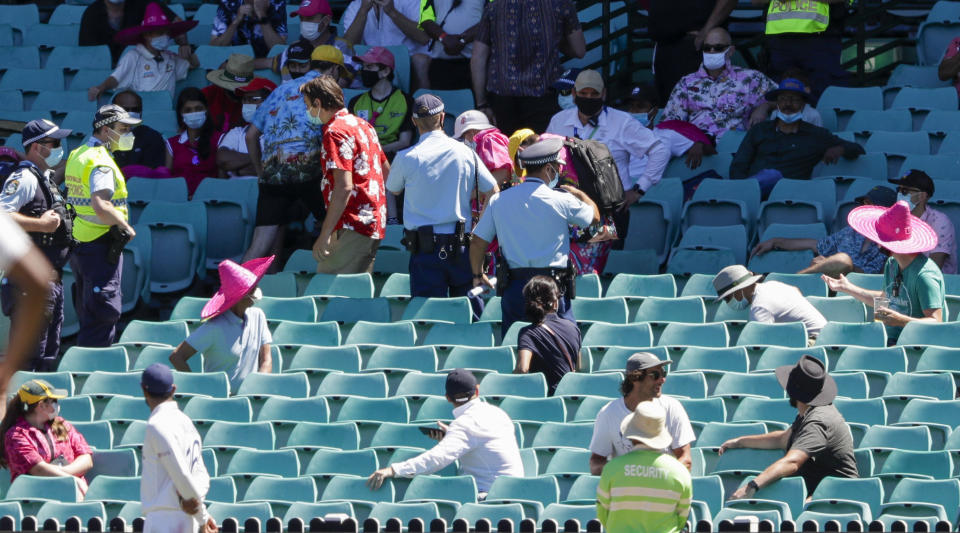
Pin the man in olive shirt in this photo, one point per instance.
(818, 444)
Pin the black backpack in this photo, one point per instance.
(597, 172)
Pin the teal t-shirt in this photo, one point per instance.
(919, 287)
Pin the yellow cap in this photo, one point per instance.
(37, 390)
(327, 53)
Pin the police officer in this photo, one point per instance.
(439, 177)
(97, 190)
(34, 202)
(530, 221)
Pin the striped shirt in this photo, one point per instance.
(644, 491)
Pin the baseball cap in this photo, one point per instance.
(37, 390)
(327, 53)
(112, 113)
(916, 179)
(643, 361)
(427, 105)
(588, 79)
(879, 195)
(257, 84)
(300, 51)
(470, 120)
(460, 382)
(40, 129)
(312, 7)
(157, 379)
(566, 80)
(378, 55)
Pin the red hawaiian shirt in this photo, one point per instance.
(350, 144)
(26, 446)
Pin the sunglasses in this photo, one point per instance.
(50, 142)
(657, 374)
(907, 190)
(715, 47)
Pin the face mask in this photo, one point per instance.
(565, 102)
(248, 110)
(906, 198)
(788, 118)
(195, 120)
(739, 305)
(470, 144)
(309, 30)
(642, 118)
(124, 143)
(369, 78)
(713, 61)
(257, 294)
(588, 106)
(316, 121)
(56, 412)
(160, 43)
(56, 154)
(555, 179)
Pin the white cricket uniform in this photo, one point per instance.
(172, 468)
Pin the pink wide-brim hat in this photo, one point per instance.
(894, 228)
(235, 282)
(153, 19)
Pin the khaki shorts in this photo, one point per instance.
(350, 253)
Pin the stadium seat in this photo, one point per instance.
(121, 462)
(938, 167)
(280, 493)
(844, 100)
(318, 361)
(241, 511)
(479, 359)
(79, 57)
(114, 489)
(405, 512)
(177, 230)
(289, 384)
(915, 438)
(360, 409)
(534, 409)
(224, 409)
(938, 386)
(300, 309)
(642, 286)
(864, 358)
(799, 202)
(774, 356)
(97, 434)
(239, 435)
(366, 385)
(456, 310)
(287, 413)
(106, 384)
(562, 512)
(936, 464)
(397, 286)
(373, 333)
(344, 285)
(307, 511)
(495, 513)
(921, 498)
(351, 310)
(32, 80)
(734, 386)
(479, 335)
(715, 434)
(790, 334)
(580, 384)
(754, 409)
(786, 493)
(436, 408)
(559, 434)
(716, 238)
(867, 334)
(672, 309)
(279, 285)
(524, 385)
(355, 491)
(310, 435)
(933, 38)
(32, 491)
(77, 408)
(607, 335)
(836, 495)
(225, 205)
(704, 409)
(293, 333)
(534, 492)
(839, 309)
(155, 332)
(713, 362)
(610, 310)
(85, 359)
(207, 383)
(61, 512)
(247, 462)
(936, 359)
(938, 415)
(712, 335)
(448, 492)
(688, 384)
(418, 385)
(871, 165)
(723, 202)
(899, 143)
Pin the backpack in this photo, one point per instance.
(597, 172)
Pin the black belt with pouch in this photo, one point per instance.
(424, 241)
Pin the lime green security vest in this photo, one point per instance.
(82, 161)
(797, 16)
(392, 111)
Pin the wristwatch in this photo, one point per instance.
(753, 485)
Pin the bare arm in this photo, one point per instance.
(786, 466)
(180, 355)
(403, 141)
(774, 440)
(266, 359)
(597, 463)
(949, 68)
(683, 455)
(780, 243)
(354, 34)
(48, 222)
(410, 28)
(893, 318)
(253, 149)
(523, 362)
(80, 465)
(232, 161)
(32, 274)
(721, 10)
(225, 38)
(270, 36)
(575, 45)
(478, 248)
(842, 284)
(108, 215)
(106, 85)
(478, 72)
(582, 196)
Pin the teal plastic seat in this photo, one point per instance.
(307, 511)
(83, 359)
(151, 354)
(718, 360)
(774, 356)
(350, 310)
(939, 416)
(222, 489)
(171, 333)
(208, 383)
(788, 493)
(345, 285)
(122, 462)
(683, 309)
(862, 411)
(714, 434)
(397, 286)
(41, 488)
(919, 333)
(495, 513)
(579, 384)
(496, 359)
(513, 332)
(704, 409)
(394, 358)
(712, 335)
(105, 384)
(853, 384)
(12, 510)
(699, 285)
(614, 358)
(372, 333)
(534, 409)
(32, 80)
(795, 201)
(419, 385)
(301, 262)
(114, 488)
(610, 310)
(374, 410)
(607, 335)
(836, 495)
(939, 386)
(188, 308)
(98, 434)
(861, 358)
(688, 384)
(279, 285)
(63, 511)
(559, 434)
(568, 461)
(915, 438)
(223, 409)
(790, 334)
(372, 385)
(310, 435)
(561, 512)
(59, 380)
(234, 435)
(405, 511)
(178, 233)
(436, 408)
(764, 409)
(534, 493)
(393, 435)
(77, 409)
(936, 464)
(583, 491)
(313, 359)
(248, 462)
(741, 384)
(924, 497)
(312, 333)
(525, 385)
(241, 511)
(355, 490)
(869, 334)
(447, 492)
(730, 238)
(719, 201)
(290, 385)
(456, 310)
(460, 335)
(268, 488)
(300, 309)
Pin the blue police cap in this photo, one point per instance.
(157, 379)
(542, 152)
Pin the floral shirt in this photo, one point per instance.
(350, 144)
(249, 32)
(291, 144)
(717, 106)
(26, 447)
(946, 238)
(848, 241)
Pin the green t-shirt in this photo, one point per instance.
(919, 287)
(644, 491)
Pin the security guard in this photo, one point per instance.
(439, 177)
(97, 190)
(531, 222)
(34, 202)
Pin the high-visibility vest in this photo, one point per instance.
(82, 161)
(797, 16)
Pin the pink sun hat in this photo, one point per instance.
(235, 282)
(154, 19)
(894, 228)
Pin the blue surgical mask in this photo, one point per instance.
(908, 199)
(316, 121)
(556, 178)
(248, 111)
(56, 154)
(160, 43)
(738, 305)
(642, 118)
(565, 102)
(788, 118)
(195, 120)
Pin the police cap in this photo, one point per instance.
(541, 153)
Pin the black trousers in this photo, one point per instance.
(672, 61)
(516, 112)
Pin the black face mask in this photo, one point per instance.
(588, 106)
(296, 75)
(369, 78)
(793, 403)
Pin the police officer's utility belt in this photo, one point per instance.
(566, 277)
(424, 241)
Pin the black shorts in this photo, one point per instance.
(450, 74)
(282, 204)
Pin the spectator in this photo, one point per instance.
(193, 153)
(787, 147)
(102, 19)
(474, 128)
(912, 282)
(353, 183)
(234, 337)
(564, 87)
(222, 101)
(149, 66)
(233, 158)
(719, 96)
(389, 23)
(609, 442)
(949, 69)
(810, 113)
(769, 302)
(316, 29)
(516, 57)
(297, 60)
(452, 26)
(38, 441)
(9, 156)
(817, 445)
(645, 489)
(481, 437)
(260, 23)
(625, 137)
(385, 107)
(149, 148)
(550, 343)
(679, 31)
(916, 189)
(33, 201)
(328, 61)
(843, 251)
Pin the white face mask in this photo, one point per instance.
(248, 110)
(738, 304)
(160, 43)
(195, 120)
(309, 30)
(56, 154)
(56, 412)
(713, 61)
(257, 294)
(124, 143)
(788, 118)
(555, 179)
(565, 102)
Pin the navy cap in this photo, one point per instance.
(40, 129)
(788, 85)
(460, 382)
(427, 105)
(916, 179)
(567, 79)
(299, 52)
(157, 379)
(542, 152)
(879, 195)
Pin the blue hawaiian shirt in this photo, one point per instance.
(248, 32)
(850, 242)
(291, 144)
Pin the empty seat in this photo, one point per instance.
(577, 384)
(405, 512)
(372, 333)
(534, 409)
(292, 309)
(606, 335)
(497, 359)
(839, 309)
(243, 511)
(709, 335)
(374, 409)
(373, 385)
(632, 285)
(715, 434)
(525, 385)
(291, 385)
(684, 309)
(455, 310)
(789, 334)
(312, 333)
(171, 333)
(916, 438)
(345, 285)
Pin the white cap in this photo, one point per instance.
(470, 120)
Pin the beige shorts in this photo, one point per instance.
(350, 253)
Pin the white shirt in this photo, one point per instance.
(609, 442)
(19, 188)
(455, 22)
(778, 302)
(138, 70)
(437, 176)
(231, 344)
(482, 437)
(380, 30)
(626, 139)
(675, 141)
(15, 243)
(172, 462)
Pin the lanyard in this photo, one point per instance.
(576, 132)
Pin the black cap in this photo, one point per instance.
(459, 383)
(916, 179)
(157, 379)
(880, 195)
(41, 129)
(299, 52)
(110, 114)
(427, 105)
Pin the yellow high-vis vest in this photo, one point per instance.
(82, 161)
(797, 16)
